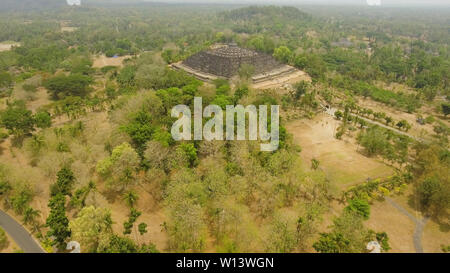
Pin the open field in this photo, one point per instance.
(5, 46)
(68, 29)
(339, 159)
(102, 61)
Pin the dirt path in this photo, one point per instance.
(420, 224)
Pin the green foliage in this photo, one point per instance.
(222, 101)
(155, 77)
(445, 108)
(300, 89)
(282, 236)
(374, 141)
(30, 217)
(120, 168)
(360, 207)
(78, 199)
(142, 227)
(128, 225)
(62, 86)
(315, 164)
(6, 82)
(331, 243)
(163, 137)
(21, 197)
(130, 198)
(43, 119)
(57, 221)
(240, 93)
(383, 239)
(118, 244)
(126, 76)
(434, 193)
(348, 235)
(43, 57)
(3, 239)
(140, 130)
(92, 228)
(64, 182)
(190, 152)
(311, 63)
(17, 119)
(445, 249)
(283, 54)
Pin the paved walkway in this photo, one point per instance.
(420, 224)
(19, 234)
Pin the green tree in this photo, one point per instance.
(360, 207)
(140, 130)
(300, 89)
(374, 141)
(17, 119)
(130, 198)
(142, 227)
(283, 54)
(64, 182)
(92, 228)
(189, 150)
(57, 221)
(128, 225)
(120, 168)
(62, 86)
(30, 216)
(434, 194)
(331, 243)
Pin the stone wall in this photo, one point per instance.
(227, 65)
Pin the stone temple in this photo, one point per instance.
(224, 61)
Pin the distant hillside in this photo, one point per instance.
(30, 5)
(255, 19)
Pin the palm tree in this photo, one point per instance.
(29, 217)
(130, 198)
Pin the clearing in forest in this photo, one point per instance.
(339, 159)
(102, 61)
(5, 46)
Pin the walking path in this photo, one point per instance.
(420, 224)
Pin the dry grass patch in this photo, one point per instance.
(340, 160)
(102, 61)
(6, 46)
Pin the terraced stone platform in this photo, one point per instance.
(224, 61)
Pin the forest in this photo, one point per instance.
(87, 155)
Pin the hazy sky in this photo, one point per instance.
(383, 2)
